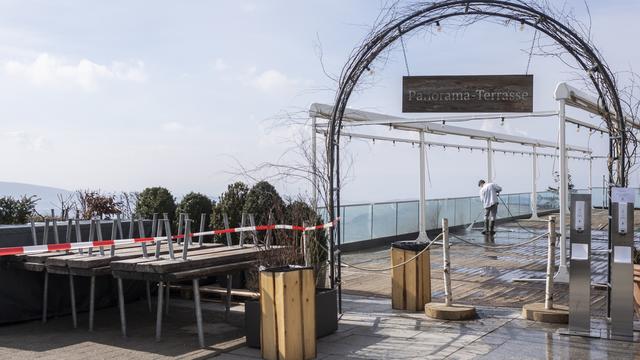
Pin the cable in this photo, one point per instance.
(516, 221)
(397, 265)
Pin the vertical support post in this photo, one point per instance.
(305, 245)
(141, 232)
(268, 234)
(99, 234)
(123, 318)
(92, 232)
(114, 229)
(56, 238)
(314, 165)
(167, 228)
(563, 274)
(227, 303)
(621, 262)
(534, 174)
(34, 238)
(203, 219)
(45, 296)
(72, 295)
(590, 174)
(422, 228)
(225, 219)
(187, 236)
(159, 311)
(447, 264)
(242, 222)
(45, 235)
(489, 161)
(254, 233)
(551, 263)
(580, 270)
(196, 300)
(158, 233)
(92, 301)
(79, 234)
(180, 226)
(68, 234)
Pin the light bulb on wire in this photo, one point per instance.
(438, 27)
(522, 25)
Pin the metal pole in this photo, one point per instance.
(489, 162)
(159, 311)
(45, 296)
(123, 318)
(72, 294)
(305, 245)
(187, 235)
(92, 301)
(590, 174)
(203, 219)
(447, 264)
(227, 303)
(422, 236)
(196, 300)
(314, 166)
(534, 194)
(563, 274)
(56, 238)
(551, 264)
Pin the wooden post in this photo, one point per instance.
(287, 313)
(447, 263)
(551, 260)
(411, 282)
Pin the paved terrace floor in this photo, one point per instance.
(368, 329)
(484, 276)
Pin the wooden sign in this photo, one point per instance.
(472, 93)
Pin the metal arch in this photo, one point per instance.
(430, 13)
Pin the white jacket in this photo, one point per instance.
(489, 194)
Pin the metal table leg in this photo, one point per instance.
(167, 297)
(196, 300)
(149, 296)
(45, 297)
(73, 302)
(159, 311)
(92, 301)
(123, 319)
(227, 305)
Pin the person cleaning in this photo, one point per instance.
(489, 197)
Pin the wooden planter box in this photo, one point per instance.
(636, 288)
(287, 313)
(410, 283)
(326, 316)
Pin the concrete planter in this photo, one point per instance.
(326, 316)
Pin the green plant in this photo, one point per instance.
(94, 203)
(195, 204)
(636, 256)
(17, 211)
(231, 203)
(155, 200)
(299, 212)
(262, 200)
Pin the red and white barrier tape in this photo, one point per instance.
(34, 249)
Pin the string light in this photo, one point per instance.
(438, 26)
(502, 121)
(578, 128)
(521, 25)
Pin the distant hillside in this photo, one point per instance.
(48, 195)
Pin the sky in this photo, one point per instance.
(123, 95)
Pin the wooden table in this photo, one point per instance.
(200, 263)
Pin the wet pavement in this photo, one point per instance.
(369, 329)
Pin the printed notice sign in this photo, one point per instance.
(623, 195)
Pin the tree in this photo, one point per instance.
(94, 203)
(263, 199)
(231, 203)
(195, 204)
(155, 200)
(17, 211)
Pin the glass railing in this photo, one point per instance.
(360, 222)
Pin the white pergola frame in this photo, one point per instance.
(354, 118)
